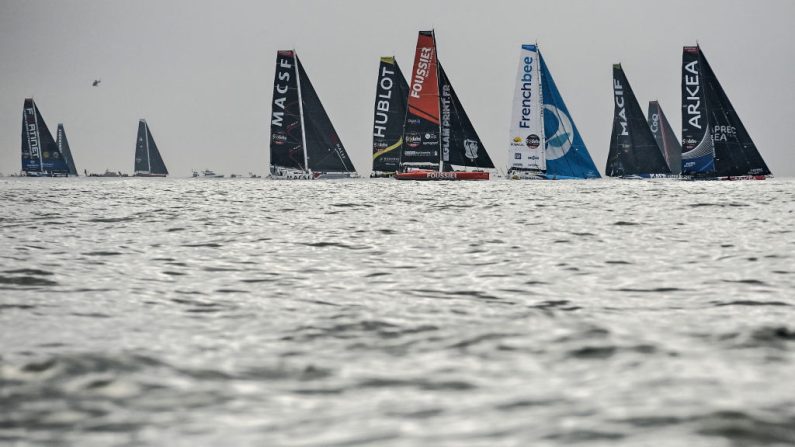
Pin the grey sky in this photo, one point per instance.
(201, 72)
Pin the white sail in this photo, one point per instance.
(527, 123)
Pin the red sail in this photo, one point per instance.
(424, 91)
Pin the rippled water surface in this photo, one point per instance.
(253, 312)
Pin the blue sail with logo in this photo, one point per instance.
(566, 154)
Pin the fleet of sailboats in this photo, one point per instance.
(422, 132)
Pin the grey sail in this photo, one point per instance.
(40, 154)
(66, 151)
(667, 140)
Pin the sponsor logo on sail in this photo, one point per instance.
(471, 149)
(559, 143)
(692, 96)
(655, 123)
(280, 87)
(618, 93)
(533, 141)
(33, 133)
(422, 71)
(385, 85)
(526, 92)
(413, 139)
(279, 138)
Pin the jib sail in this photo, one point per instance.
(421, 131)
(389, 114)
(735, 152)
(633, 149)
(287, 141)
(66, 151)
(666, 137)
(324, 150)
(526, 151)
(40, 152)
(566, 154)
(460, 143)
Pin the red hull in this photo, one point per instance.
(436, 175)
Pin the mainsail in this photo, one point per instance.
(633, 149)
(714, 139)
(665, 136)
(421, 131)
(437, 132)
(287, 140)
(40, 154)
(63, 146)
(302, 136)
(526, 152)
(389, 114)
(147, 157)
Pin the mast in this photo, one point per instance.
(438, 81)
(301, 111)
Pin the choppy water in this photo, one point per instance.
(251, 312)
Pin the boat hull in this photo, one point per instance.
(142, 174)
(421, 175)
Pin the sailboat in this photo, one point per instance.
(148, 162)
(715, 144)
(304, 144)
(63, 146)
(634, 152)
(544, 142)
(40, 154)
(665, 136)
(389, 113)
(437, 133)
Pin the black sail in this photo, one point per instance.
(287, 142)
(66, 151)
(156, 164)
(461, 145)
(389, 113)
(324, 150)
(40, 152)
(147, 155)
(735, 152)
(633, 149)
(665, 136)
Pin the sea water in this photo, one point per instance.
(248, 312)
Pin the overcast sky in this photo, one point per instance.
(201, 72)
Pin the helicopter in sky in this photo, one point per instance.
(96, 82)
